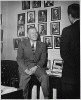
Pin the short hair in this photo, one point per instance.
(31, 27)
(74, 10)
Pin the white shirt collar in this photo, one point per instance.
(34, 44)
(75, 20)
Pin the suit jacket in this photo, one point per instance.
(27, 59)
(70, 53)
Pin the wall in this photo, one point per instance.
(10, 10)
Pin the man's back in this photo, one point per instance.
(70, 52)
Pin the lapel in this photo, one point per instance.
(37, 47)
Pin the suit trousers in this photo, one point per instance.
(41, 76)
(70, 91)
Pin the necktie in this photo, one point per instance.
(33, 48)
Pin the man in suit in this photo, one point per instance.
(31, 20)
(43, 31)
(31, 58)
(70, 53)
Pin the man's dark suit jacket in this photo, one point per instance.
(26, 58)
(70, 53)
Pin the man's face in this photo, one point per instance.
(33, 35)
(21, 17)
(31, 15)
(47, 40)
(70, 18)
(54, 26)
(55, 12)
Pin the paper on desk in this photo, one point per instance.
(6, 89)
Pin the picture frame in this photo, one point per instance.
(31, 25)
(20, 30)
(49, 64)
(0, 19)
(1, 35)
(55, 13)
(1, 48)
(36, 4)
(42, 28)
(49, 41)
(57, 67)
(57, 64)
(16, 42)
(55, 28)
(42, 16)
(25, 5)
(48, 3)
(57, 42)
(31, 17)
(21, 19)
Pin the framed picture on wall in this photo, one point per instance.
(16, 42)
(21, 30)
(48, 3)
(31, 17)
(55, 13)
(49, 41)
(31, 25)
(36, 4)
(42, 16)
(25, 5)
(55, 28)
(0, 19)
(1, 35)
(42, 28)
(57, 42)
(21, 19)
(1, 47)
(49, 64)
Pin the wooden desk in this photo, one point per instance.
(11, 93)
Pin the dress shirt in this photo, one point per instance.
(34, 44)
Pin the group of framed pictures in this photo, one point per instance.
(49, 41)
(36, 4)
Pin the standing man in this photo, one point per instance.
(31, 58)
(70, 53)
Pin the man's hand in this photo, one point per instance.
(29, 72)
(33, 69)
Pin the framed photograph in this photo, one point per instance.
(31, 25)
(21, 30)
(1, 47)
(16, 42)
(31, 17)
(55, 28)
(49, 64)
(55, 13)
(57, 67)
(49, 41)
(1, 35)
(57, 64)
(57, 42)
(36, 4)
(21, 19)
(42, 28)
(42, 16)
(25, 5)
(48, 3)
(0, 19)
